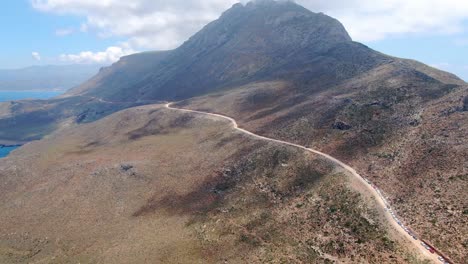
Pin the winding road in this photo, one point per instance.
(376, 193)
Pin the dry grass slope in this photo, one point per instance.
(407, 136)
(148, 185)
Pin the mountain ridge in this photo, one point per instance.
(245, 40)
(248, 43)
(267, 39)
(292, 75)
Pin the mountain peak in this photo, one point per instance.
(247, 41)
(268, 25)
(268, 2)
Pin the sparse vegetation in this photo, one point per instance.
(247, 202)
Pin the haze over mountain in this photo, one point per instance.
(281, 71)
(51, 77)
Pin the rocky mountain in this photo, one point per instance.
(246, 43)
(51, 77)
(259, 41)
(286, 72)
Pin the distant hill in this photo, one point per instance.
(50, 77)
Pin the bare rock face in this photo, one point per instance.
(465, 104)
(247, 42)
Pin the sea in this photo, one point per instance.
(19, 95)
(5, 151)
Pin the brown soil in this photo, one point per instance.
(188, 189)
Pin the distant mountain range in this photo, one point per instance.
(50, 77)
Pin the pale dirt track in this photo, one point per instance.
(415, 244)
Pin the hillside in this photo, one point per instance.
(29, 120)
(406, 136)
(287, 73)
(51, 77)
(151, 185)
(122, 76)
(415, 148)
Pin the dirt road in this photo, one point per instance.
(386, 210)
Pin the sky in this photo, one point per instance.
(40, 32)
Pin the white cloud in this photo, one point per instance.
(147, 24)
(461, 42)
(84, 28)
(36, 55)
(165, 24)
(162, 24)
(110, 55)
(64, 32)
(369, 20)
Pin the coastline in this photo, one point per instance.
(11, 143)
(5, 150)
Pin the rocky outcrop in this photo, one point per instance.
(465, 104)
(340, 125)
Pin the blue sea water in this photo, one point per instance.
(5, 151)
(18, 95)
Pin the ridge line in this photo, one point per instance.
(389, 214)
